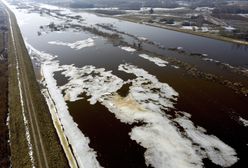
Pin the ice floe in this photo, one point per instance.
(142, 38)
(180, 48)
(165, 144)
(39, 56)
(190, 27)
(77, 45)
(95, 82)
(128, 49)
(243, 121)
(157, 61)
(229, 28)
(209, 146)
(147, 86)
(85, 156)
(147, 102)
(210, 60)
(174, 66)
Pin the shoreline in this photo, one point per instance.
(59, 128)
(206, 35)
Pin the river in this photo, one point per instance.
(177, 100)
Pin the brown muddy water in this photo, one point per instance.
(214, 105)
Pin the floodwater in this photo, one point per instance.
(130, 115)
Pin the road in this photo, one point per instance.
(40, 156)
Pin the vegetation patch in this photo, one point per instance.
(4, 147)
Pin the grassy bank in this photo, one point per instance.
(19, 150)
(19, 147)
(207, 35)
(4, 147)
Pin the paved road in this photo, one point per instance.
(29, 108)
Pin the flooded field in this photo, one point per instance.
(131, 95)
